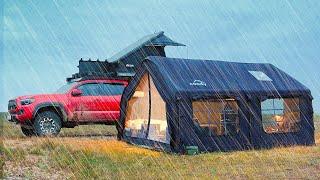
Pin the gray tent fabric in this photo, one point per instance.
(156, 39)
(129, 58)
(163, 40)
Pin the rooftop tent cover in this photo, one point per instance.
(151, 45)
(156, 39)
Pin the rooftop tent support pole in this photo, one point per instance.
(147, 133)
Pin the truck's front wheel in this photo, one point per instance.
(47, 123)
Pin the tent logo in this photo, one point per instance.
(198, 83)
(130, 65)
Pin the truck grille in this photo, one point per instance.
(12, 105)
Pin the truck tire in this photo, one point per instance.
(27, 131)
(47, 123)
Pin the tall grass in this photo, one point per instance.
(88, 158)
(109, 162)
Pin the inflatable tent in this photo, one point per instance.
(171, 104)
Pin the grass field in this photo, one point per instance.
(93, 152)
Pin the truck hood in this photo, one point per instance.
(48, 97)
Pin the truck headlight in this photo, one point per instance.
(27, 101)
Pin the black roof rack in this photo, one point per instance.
(76, 78)
(89, 69)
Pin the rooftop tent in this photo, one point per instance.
(150, 45)
(124, 63)
(215, 105)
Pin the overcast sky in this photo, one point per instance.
(43, 40)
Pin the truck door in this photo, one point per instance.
(109, 100)
(87, 104)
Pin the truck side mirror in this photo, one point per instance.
(76, 92)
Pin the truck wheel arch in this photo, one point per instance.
(57, 107)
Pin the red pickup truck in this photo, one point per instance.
(79, 102)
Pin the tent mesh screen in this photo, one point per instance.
(137, 122)
(216, 117)
(137, 115)
(158, 121)
(280, 115)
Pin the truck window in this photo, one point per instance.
(111, 89)
(91, 89)
(101, 89)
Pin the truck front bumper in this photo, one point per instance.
(12, 118)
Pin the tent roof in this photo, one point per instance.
(208, 76)
(156, 39)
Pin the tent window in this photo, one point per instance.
(138, 123)
(137, 115)
(216, 117)
(280, 115)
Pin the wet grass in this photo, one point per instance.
(2, 160)
(112, 159)
(99, 158)
(295, 162)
